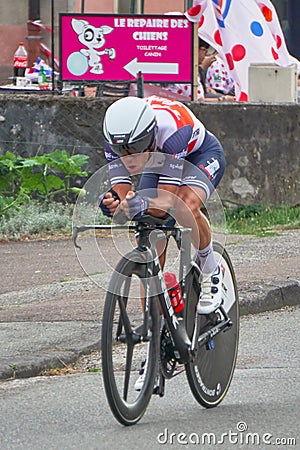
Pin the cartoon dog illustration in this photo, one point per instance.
(93, 38)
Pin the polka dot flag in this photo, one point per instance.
(243, 32)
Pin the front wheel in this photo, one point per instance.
(210, 373)
(130, 336)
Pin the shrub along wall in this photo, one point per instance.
(261, 141)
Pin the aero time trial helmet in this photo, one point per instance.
(129, 126)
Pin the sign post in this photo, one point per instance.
(102, 47)
(195, 63)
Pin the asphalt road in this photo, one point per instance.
(51, 312)
(261, 409)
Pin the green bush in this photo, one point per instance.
(41, 176)
(36, 218)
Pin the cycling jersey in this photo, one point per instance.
(218, 78)
(186, 89)
(181, 135)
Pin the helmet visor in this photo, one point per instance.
(139, 146)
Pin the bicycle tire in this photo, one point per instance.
(210, 373)
(127, 405)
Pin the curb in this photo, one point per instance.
(269, 298)
(32, 366)
(252, 301)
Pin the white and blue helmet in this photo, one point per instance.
(129, 124)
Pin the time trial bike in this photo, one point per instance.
(139, 324)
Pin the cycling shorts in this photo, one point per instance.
(202, 168)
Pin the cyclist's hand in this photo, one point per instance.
(109, 202)
(132, 208)
(137, 205)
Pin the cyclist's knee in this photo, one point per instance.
(187, 210)
(189, 203)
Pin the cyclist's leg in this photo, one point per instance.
(189, 214)
(202, 173)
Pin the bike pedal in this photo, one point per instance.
(159, 388)
(210, 345)
(158, 391)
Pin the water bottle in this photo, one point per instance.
(42, 76)
(20, 61)
(174, 291)
(42, 79)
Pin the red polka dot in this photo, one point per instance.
(186, 87)
(179, 91)
(229, 61)
(243, 97)
(217, 37)
(194, 11)
(201, 21)
(238, 52)
(278, 41)
(267, 13)
(275, 54)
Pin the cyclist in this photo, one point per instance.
(134, 129)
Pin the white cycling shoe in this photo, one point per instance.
(140, 381)
(211, 292)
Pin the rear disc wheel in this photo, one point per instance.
(210, 373)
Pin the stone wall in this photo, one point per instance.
(261, 142)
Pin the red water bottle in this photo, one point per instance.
(20, 61)
(174, 291)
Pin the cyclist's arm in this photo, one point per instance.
(165, 200)
(119, 178)
(122, 189)
(118, 174)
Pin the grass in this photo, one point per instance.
(37, 220)
(262, 220)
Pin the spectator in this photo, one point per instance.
(218, 78)
(204, 93)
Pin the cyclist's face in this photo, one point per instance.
(135, 163)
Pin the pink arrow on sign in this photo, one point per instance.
(133, 67)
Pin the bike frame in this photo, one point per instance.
(147, 243)
(149, 235)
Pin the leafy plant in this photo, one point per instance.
(41, 176)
